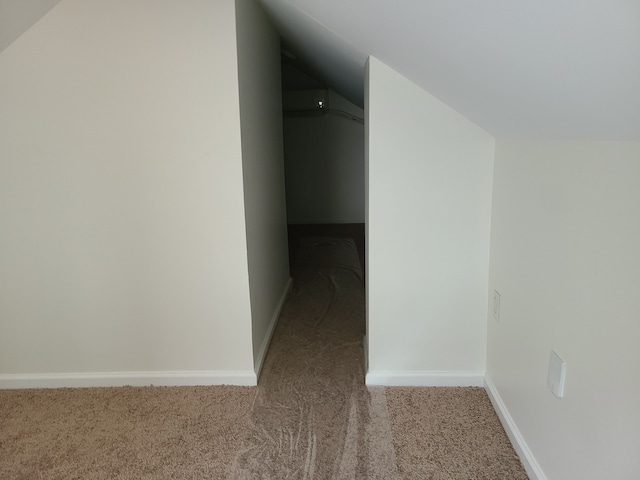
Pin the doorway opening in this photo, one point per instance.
(324, 159)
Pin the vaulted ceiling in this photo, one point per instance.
(556, 69)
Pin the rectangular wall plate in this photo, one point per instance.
(557, 372)
(496, 305)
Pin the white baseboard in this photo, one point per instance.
(522, 449)
(119, 379)
(425, 379)
(272, 326)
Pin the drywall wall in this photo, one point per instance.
(324, 164)
(263, 169)
(428, 220)
(565, 260)
(123, 246)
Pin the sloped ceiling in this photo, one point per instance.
(556, 69)
(17, 16)
(567, 69)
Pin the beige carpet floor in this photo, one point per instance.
(311, 417)
(122, 433)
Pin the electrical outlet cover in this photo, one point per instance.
(496, 305)
(557, 371)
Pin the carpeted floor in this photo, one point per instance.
(311, 417)
(122, 433)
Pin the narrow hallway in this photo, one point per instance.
(313, 417)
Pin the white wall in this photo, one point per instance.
(428, 219)
(566, 261)
(324, 162)
(263, 170)
(123, 246)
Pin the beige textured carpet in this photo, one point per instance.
(450, 434)
(122, 433)
(311, 417)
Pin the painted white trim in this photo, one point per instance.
(425, 379)
(258, 361)
(517, 440)
(119, 379)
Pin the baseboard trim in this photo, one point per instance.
(522, 449)
(425, 379)
(259, 360)
(120, 379)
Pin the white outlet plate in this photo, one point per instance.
(557, 372)
(496, 305)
